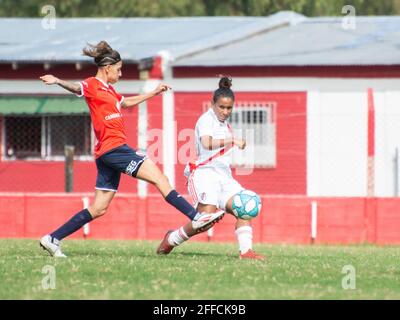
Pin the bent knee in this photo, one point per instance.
(97, 211)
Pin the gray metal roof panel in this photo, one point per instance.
(24, 39)
(314, 41)
(209, 41)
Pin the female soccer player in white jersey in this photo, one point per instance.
(210, 181)
(113, 155)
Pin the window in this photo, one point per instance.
(44, 137)
(70, 130)
(254, 122)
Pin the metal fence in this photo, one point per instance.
(44, 137)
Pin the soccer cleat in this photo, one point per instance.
(53, 246)
(165, 247)
(250, 254)
(203, 221)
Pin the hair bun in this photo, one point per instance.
(225, 83)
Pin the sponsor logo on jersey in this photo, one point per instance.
(113, 116)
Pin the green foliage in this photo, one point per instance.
(173, 8)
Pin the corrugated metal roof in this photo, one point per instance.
(313, 41)
(285, 38)
(25, 40)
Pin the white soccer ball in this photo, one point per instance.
(246, 205)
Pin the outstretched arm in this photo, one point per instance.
(72, 87)
(133, 101)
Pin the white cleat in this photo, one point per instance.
(53, 246)
(203, 221)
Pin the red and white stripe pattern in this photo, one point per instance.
(193, 167)
(192, 189)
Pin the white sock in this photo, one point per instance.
(245, 238)
(177, 237)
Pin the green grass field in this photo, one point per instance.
(132, 270)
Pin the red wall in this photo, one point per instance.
(289, 175)
(282, 220)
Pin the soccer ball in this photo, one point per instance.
(246, 205)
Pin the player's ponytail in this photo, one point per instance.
(102, 53)
(224, 90)
(225, 83)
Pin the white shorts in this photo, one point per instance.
(209, 186)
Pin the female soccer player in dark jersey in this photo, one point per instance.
(113, 155)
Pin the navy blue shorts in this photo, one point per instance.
(111, 164)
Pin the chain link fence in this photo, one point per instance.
(44, 137)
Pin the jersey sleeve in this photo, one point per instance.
(204, 127)
(87, 89)
(81, 94)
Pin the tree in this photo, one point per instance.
(173, 8)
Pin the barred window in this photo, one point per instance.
(254, 122)
(44, 137)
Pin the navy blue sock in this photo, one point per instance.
(75, 223)
(179, 202)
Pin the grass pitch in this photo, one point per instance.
(131, 270)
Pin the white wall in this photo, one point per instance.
(38, 87)
(387, 138)
(337, 133)
(337, 144)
